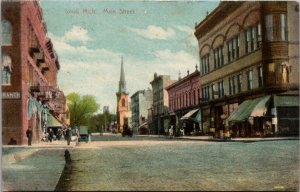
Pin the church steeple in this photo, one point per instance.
(122, 82)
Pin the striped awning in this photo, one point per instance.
(254, 108)
(189, 114)
(53, 122)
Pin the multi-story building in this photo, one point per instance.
(29, 74)
(184, 100)
(249, 68)
(141, 101)
(160, 105)
(123, 108)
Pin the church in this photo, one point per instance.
(123, 105)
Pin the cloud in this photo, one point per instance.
(77, 33)
(185, 28)
(154, 32)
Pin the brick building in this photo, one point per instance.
(249, 68)
(141, 101)
(29, 73)
(184, 99)
(160, 105)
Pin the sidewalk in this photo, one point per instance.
(37, 167)
(240, 139)
(211, 138)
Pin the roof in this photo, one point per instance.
(194, 74)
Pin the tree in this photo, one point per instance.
(102, 121)
(81, 108)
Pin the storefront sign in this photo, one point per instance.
(11, 95)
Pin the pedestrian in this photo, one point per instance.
(50, 136)
(68, 134)
(29, 135)
(171, 132)
(181, 131)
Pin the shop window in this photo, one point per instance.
(6, 32)
(6, 69)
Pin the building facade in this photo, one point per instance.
(249, 54)
(29, 74)
(123, 108)
(141, 101)
(184, 100)
(160, 106)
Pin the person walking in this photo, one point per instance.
(171, 132)
(29, 135)
(68, 134)
(50, 137)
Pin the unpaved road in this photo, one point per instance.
(141, 163)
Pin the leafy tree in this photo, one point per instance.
(100, 122)
(81, 108)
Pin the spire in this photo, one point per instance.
(122, 82)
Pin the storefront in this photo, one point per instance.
(191, 121)
(287, 114)
(251, 118)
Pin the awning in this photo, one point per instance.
(286, 101)
(52, 121)
(197, 118)
(189, 114)
(255, 108)
(143, 124)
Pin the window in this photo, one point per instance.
(269, 27)
(260, 76)
(283, 28)
(205, 93)
(6, 69)
(212, 87)
(233, 48)
(123, 102)
(6, 32)
(195, 98)
(250, 80)
(252, 36)
(205, 64)
(220, 89)
(231, 86)
(218, 57)
(240, 82)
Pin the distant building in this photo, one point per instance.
(30, 95)
(184, 100)
(250, 68)
(160, 107)
(123, 108)
(141, 101)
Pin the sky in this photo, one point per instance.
(152, 36)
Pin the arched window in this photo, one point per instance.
(6, 69)
(123, 102)
(6, 32)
